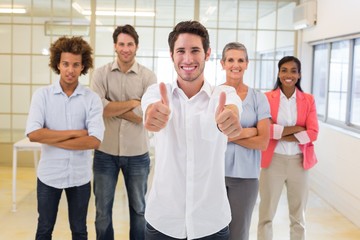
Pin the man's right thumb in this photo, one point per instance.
(163, 93)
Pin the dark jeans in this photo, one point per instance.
(106, 171)
(153, 234)
(48, 202)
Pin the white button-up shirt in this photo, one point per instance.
(188, 195)
(287, 116)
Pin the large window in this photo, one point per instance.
(263, 26)
(321, 61)
(355, 93)
(336, 82)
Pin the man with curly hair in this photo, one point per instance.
(67, 119)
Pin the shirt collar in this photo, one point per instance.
(79, 90)
(134, 68)
(282, 95)
(206, 87)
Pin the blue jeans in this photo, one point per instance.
(106, 171)
(152, 234)
(48, 202)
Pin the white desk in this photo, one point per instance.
(22, 145)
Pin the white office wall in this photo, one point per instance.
(334, 18)
(336, 178)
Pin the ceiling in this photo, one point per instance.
(63, 8)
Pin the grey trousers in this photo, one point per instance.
(242, 194)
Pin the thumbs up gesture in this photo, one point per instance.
(227, 118)
(157, 114)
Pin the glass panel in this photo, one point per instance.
(337, 106)
(21, 39)
(5, 18)
(248, 38)
(5, 123)
(22, 18)
(145, 7)
(268, 45)
(284, 40)
(54, 77)
(355, 95)
(224, 36)
(146, 41)
(164, 13)
(40, 42)
(19, 123)
(23, 63)
(213, 33)
(266, 76)
(249, 75)
(61, 10)
(211, 68)
(104, 44)
(320, 77)
(5, 69)
(125, 6)
(164, 69)
(41, 13)
(267, 15)
(85, 79)
(109, 5)
(147, 62)
(338, 80)
(161, 42)
(208, 13)
(23, 93)
(247, 15)
(100, 61)
(40, 70)
(5, 92)
(227, 14)
(184, 10)
(5, 36)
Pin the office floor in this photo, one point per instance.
(323, 221)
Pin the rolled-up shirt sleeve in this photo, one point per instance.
(277, 131)
(95, 122)
(302, 137)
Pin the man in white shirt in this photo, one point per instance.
(192, 121)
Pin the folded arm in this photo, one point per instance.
(255, 137)
(114, 109)
(67, 139)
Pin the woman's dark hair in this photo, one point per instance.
(192, 27)
(127, 29)
(285, 60)
(74, 45)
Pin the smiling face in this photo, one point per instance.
(70, 68)
(126, 48)
(189, 58)
(235, 64)
(289, 75)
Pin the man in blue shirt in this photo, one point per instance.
(67, 119)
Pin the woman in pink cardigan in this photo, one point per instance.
(290, 152)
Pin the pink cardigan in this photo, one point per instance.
(306, 117)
